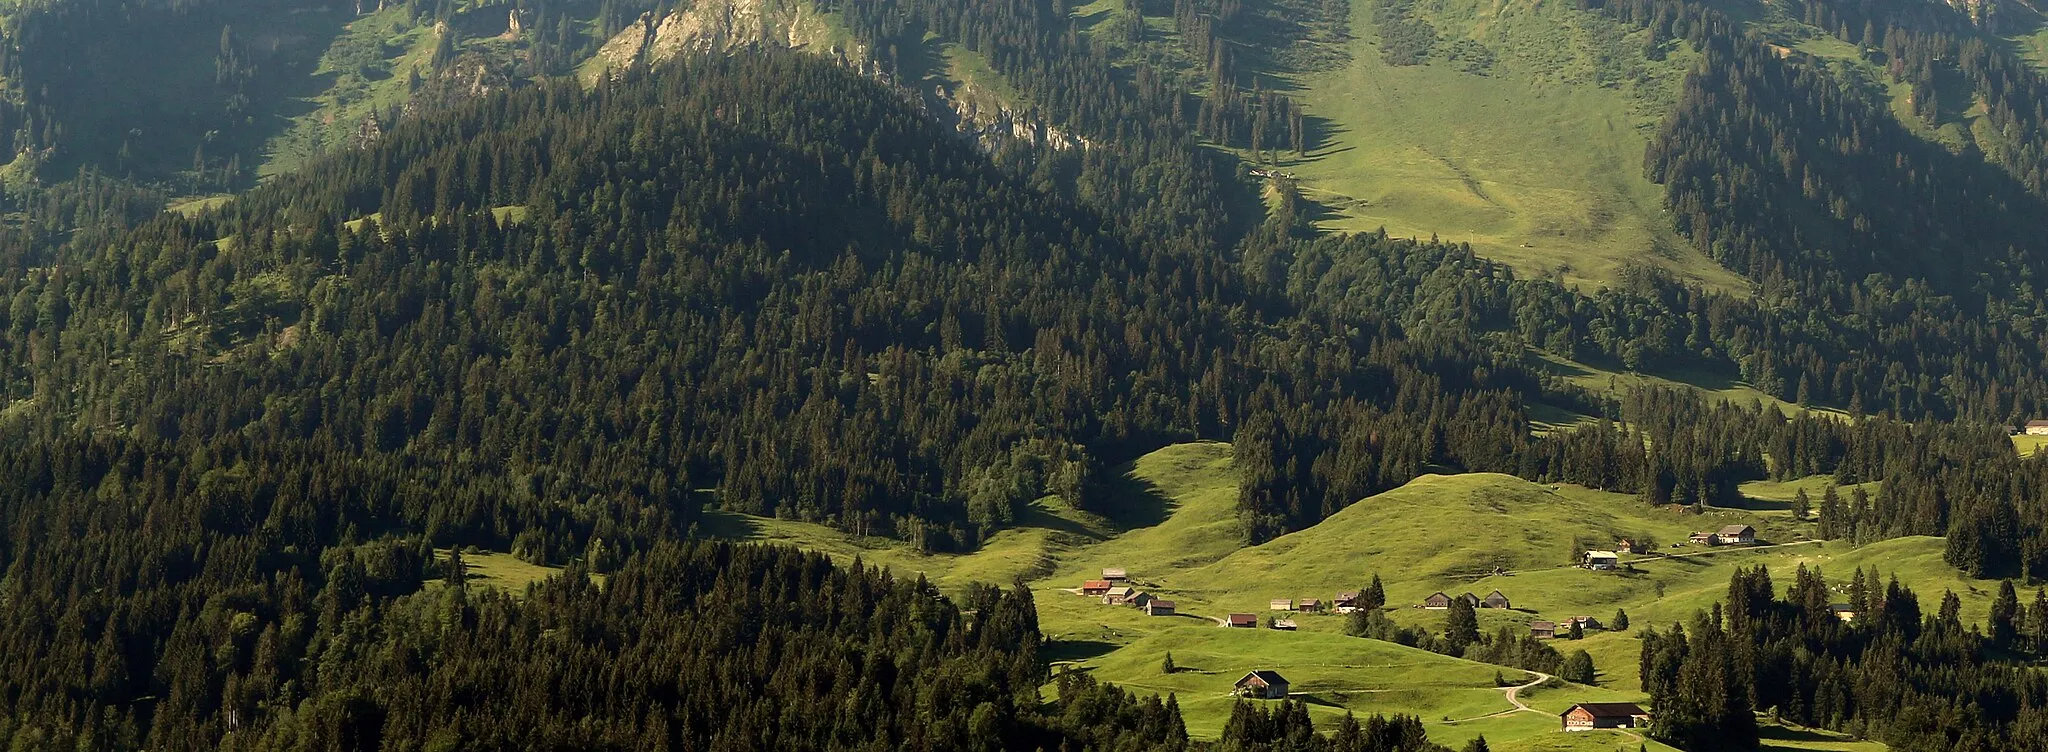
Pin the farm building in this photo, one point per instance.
(1495, 599)
(1736, 535)
(1284, 625)
(1269, 685)
(1138, 599)
(1095, 587)
(1470, 599)
(1115, 575)
(1628, 546)
(1116, 595)
(1843, 611)
(1586, 623)
(1156, 607)
(1602, 560)
(1703, 539)
(1543, 629)
(1311, 606)
(1280, 604)
(2037, 428)
(1243, 621)
(1437, 601)
(1587, 716)
(1345, 602)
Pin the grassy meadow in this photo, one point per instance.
(1535, 158)
(1174, 528)
(501, 571)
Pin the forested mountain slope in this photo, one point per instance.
(202, 96)
(559, 315)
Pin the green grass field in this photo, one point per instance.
(1174, 528)
(364, 71)
(1537, 160)
(502, 571)
(2026, 445)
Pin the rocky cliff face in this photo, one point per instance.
(720, 26)
(715, 26)
(991, 122)
(1989, 15)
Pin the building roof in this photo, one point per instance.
(1244, 618)
(1156, 603)
(1602, 555)
(1113, 574)
(1497, 592)
(1436, 595)
(1840, 607)
(1281, 603)
(1283, 624)
(1348, 595)
(1608, 709)
(1738, 530)
(1550, 625)
(1121, 590)
(1095, 585)
(1305, 602)
(1270, 677)
(2037, 424)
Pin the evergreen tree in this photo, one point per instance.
(1461, 626)
(1578, 668)
(2006, 617)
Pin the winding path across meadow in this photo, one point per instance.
(1514, 698)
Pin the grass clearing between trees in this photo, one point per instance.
(1534, 158)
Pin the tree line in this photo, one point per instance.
(1914, 680)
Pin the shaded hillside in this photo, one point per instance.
(206, 95)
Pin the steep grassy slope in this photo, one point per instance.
(366, 70)
(1533, 152)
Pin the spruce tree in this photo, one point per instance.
(1461, 627)
(1578, 668)
(2005, 618)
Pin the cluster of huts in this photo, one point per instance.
(1345, 602)
(1438, 601)
(1115, 589)
(1550, 629)
(1728, 535)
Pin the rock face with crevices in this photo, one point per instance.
(713, 26)
(721, 26)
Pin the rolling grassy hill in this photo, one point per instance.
(1172, 524)
(1335, 673)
